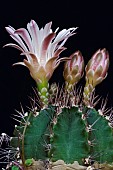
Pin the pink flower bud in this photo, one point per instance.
(73, 69)
(97, 67)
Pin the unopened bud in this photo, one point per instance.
(96, 72)
(73, 69)
(97, 67)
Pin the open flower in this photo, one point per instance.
(73, 69)
(97, 67)
(41, 46)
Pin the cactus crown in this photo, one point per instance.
(66, 131)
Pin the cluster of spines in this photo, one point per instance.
(100, 137)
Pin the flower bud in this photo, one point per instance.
(97, 67)
(96, 72)
(73, 69)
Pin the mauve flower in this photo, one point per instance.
(97, 67)
(42, 48)
(73, 68)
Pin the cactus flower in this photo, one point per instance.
(41, 47)
(73, 69)
(96, 71)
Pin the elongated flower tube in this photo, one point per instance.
(96, 72)
(42, 48)
(73, 70)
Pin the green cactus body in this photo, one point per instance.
(101, 136)
(70, 140)
(76, 135)
(35, 135)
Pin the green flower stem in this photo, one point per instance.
(43, 91)
(88, 90)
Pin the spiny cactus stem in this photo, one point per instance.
(23, 154)
(69, 87)
(43, 91)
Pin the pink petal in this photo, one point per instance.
(50, 65)
(11, 31)
(45, 45)
(95, 54)
(26, 37)
(104, 56)
(106, 66)
(61, 60)
(26, 63)
(57, 52)
(62, 43)
(34, 60)
(14, 45)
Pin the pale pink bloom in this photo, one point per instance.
(42, 48)
(97, 67)
(73, 68)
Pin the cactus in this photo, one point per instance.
(71, 136)
(67, 132)
(35, 134)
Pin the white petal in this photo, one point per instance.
(47, 29)
(51, 50)
(14, 45)
(19, 63)
(59, 36)
(64, 34)
(26, 37)
(56, 29)
(34, 32)
(63, 42)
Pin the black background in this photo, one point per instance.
(95, 22)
